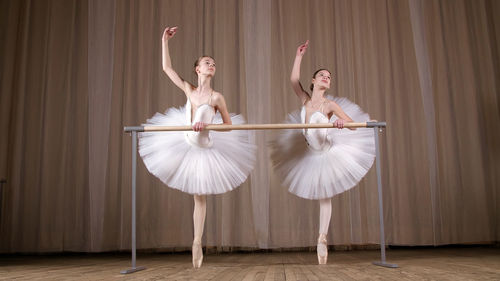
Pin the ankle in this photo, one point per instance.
(322, 238)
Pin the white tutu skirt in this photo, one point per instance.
(314, 174)
(194, 169)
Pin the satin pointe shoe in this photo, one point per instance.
(322, 249)
(197, 254)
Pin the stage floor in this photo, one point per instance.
(469, 263)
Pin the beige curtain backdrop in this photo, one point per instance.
(73, 73)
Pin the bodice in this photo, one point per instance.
(317, 139)
(204, 113)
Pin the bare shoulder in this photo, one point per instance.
(217, 97)
(218, 101)
(333, 107)
(332, 104)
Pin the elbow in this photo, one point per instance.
(295, 83)
(227, 123)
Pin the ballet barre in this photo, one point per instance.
(221, 127)
(133, 130)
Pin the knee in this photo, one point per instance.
(200, 200)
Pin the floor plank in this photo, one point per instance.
(469, 263)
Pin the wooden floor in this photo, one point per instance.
(473, 263)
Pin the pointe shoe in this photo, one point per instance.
(322, 249)
(197, 252)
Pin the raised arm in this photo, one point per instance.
(295, 76)
(167, 63)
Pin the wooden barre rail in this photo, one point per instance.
(222, 127)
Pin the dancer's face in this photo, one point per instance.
(322, 79)
(206, 66)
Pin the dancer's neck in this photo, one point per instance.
(204, 84)
(318, 95)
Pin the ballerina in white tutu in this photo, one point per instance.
(197, 162)
(320, 163)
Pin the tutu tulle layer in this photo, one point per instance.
(193, 169)
(314, 174)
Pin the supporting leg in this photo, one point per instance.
(200, 211)
(325, 213)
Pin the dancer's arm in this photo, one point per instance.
(220, 105)
(295, 76)
(334, 108)
(167, 63)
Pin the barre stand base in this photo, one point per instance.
(132, 270)
(384, 264)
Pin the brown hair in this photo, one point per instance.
(314, 76)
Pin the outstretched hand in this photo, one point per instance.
(169, 33)
(301, 50)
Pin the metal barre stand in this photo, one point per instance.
(133, 131)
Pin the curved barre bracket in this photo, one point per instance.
(129, 129)
(376, 124)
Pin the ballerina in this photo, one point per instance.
(321, 163)
(197, 162)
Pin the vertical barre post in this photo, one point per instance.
(2, 181)
(382, 262)
(134, 182)
(134, 172)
